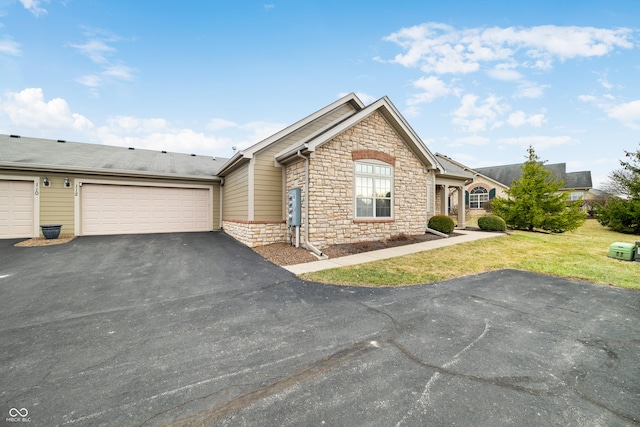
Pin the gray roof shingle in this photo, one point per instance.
(507, 174)
(451, 168)
(74, 156)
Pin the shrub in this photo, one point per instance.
(492, 223)
(399, 238)
(620, 215)
(442, 223)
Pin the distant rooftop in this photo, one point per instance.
(507, 174)
(24, 152)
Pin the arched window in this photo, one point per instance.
(373, 189)
(478, 196)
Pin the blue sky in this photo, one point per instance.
(478, 81)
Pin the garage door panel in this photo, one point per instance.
(121, 209)
(16, 209)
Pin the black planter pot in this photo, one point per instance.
(51, 231)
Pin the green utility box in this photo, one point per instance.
(623, 251)
(637, 250)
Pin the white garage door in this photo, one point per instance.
(124, 209)
(16, 209)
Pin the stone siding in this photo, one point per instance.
(256, 233)
(331, 187)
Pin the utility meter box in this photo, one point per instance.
(294, 208)
(623, 251)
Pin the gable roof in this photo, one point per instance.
(507, 174)
(243, 156)
(23, 153)
(390, 113)
(576, 180)
(451, 168)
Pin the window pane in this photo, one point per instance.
(479, 190)
(383, 208)
(373, 190)
(364, 207)
(364, 187)
(383, 187)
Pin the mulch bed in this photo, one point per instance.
(285, 254)
(41, 241)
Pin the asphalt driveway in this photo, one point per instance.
(195, 329)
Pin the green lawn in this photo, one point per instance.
(581, 254)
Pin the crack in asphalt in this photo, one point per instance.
(230, 407)
(568, 382)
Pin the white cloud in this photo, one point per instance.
(219, 124)
(628, 114)
(505, 72)
(28, 109)
(432, 88)
(98, 49)
(470, 140)
(170, 139)
(474, 117)
(539, 142)
(587, 98)
(258, 130)
(9, 47)
(28, 112)
(440, 48)
(120, 72)
(132, 125)
(33, 6)
(519, 118)
(530, 90)
(605, 83)
(411, 112)
(160, 134)
(90, 80)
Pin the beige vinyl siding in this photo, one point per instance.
(268, 186)
(235, 198)
(217, 221)
(57, 202)
(268, 192)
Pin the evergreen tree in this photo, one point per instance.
(623, 214)
(535, 202)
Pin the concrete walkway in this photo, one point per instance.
(466, 236)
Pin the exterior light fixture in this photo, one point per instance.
(45, 182)
(66, 182)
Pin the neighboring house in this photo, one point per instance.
(99, 189)
(577, 184)
(362, 172)
(494, 181)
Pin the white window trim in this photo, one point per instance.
(574, 196)
(355, 196)
(478, 202)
